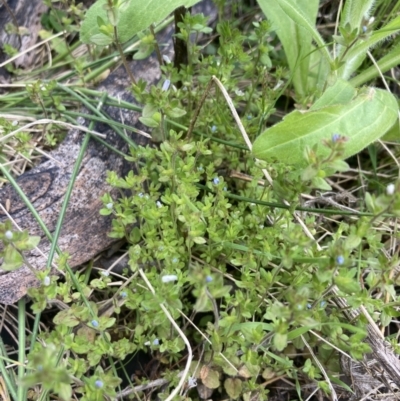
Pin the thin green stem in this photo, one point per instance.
(123, 58)
(8, 375)
(21, 348)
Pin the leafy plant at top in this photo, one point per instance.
(128, 16)
(361, 118)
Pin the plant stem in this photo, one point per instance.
(123, 58)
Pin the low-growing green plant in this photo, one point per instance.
(232, 279)
(14, 243)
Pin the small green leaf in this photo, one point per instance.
(320, 183)
(203, 302)
(280, 341)
(339, 166)
(64, 391)
(352, 241)
(211, 378)
(346, 282)
(221, 292)
(101, 39)
(199, 240)
(149, 122)
(66, 318)
(100, 21)
(175, 112)
(149, 110)
(12, 259)
(233, 386)
(28, 243)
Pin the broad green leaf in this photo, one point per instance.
(341, 92)
(295, 10)
(394, 133)
(296, 40)
(134, 16)
(363, 120)
(100, 39)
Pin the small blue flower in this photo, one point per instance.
(109, 205)
(209, 279)
(95, 323)
(166, 85)
(340, 260)
(364, 29)
(200, 168)
(140, 195)
(159, 204)
(216, 181)
(98, 384)
(105, 273)
(335, 137)
(156, 342)
(123, 294)
(322, 304)
(175, 260)
(214, 128)
(46, 281)
(249, 116)
(40, 368)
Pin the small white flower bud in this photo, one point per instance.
(390, 189)
(168, 278)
